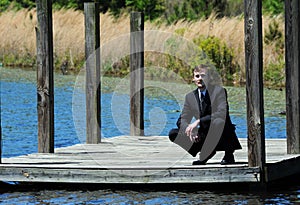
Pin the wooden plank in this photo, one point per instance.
(282, 169)
(142, 159)
(133, 176)
(138, 164)
(157, 147)
(93, 85)
(45, 90)
(254, 83)
(136, 74)
(292, 56)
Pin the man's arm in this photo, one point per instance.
(186, 115)
(220, 105)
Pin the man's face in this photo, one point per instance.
(200, 78)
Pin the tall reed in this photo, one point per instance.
(18, 39)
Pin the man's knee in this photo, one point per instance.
(218, 123)
(173, 134)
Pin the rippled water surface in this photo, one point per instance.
(162, 105)
(109, 196)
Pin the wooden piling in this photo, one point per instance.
(45, 91)
(0, 136)
(137, 74)
(292, 56)
(254, 83)
(93, 87)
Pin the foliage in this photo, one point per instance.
(273, 7)
(4, 5)
(274, 35)
(151, 8)
(119, 68)
(274, 74)
(29, 4)
(193, 9)
(16, 4)
(169, 10)
(114, 6)
(234, 8)
(58, 4)
(220, 55)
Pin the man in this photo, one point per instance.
(212, 129)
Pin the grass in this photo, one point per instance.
(18, 41)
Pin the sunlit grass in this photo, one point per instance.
(18, 38)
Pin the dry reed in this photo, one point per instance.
(18, 41)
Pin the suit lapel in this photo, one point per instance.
(197, 99)
(205, 103)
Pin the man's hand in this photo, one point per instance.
(189, 131)
(194, 137)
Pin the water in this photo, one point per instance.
(19, 113)
(110, 196)
(19, 133)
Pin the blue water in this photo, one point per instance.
(125, 197)
(19, 136)
(19, 115)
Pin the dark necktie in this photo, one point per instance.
(201, 101)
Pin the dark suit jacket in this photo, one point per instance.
(215, 122)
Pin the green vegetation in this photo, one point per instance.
(220, 55)
(274, 35)
(225, 54)
(170, 11)
(273, 7)
(275, 71)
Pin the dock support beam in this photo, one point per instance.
(137, 74)
(45, 91)
(292, 57)
(0, 136)
(254, 83)
(93, 87)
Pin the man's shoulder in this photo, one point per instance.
(217, 88)
(192, 93)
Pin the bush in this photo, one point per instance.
(274, 74)
(220, 55)
(274, 35)
(273, 7)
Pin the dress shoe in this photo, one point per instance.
(203, 162)
(199, 162)
(229, 159)
(225, 162)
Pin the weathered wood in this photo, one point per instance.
(45, 91)
(137, 74)
(154, 159)
(254, 83)
(292, 56)
(93, 87)
(0, 137)
(130, 176)
(284, 168)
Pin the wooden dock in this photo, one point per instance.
(144, 160)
